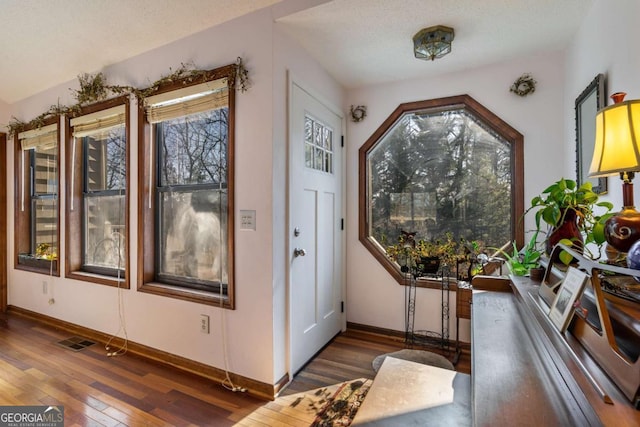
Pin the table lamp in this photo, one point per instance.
(617, 151)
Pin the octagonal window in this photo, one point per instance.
(441, 167)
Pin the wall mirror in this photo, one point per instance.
(588, 103)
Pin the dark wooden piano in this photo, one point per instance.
(525, 372)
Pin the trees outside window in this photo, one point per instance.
(104, 235)
(97, 194)
(440, 167)
(186, 206)
(192, 200)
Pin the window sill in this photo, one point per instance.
(99, 279)
(37, 265)
(192, 295)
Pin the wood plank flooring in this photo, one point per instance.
(350, 356)
(97, 390)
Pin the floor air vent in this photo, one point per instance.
(75, 343)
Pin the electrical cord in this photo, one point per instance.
(122, 350)
(227, 382)
(124, 347)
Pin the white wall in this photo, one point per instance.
(5, 116)
(373, 297)
(164, 323)
(606, 43)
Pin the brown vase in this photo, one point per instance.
(568, 229)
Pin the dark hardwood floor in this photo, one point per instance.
(97, 390)
(350, 356)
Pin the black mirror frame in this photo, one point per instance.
(587, 142)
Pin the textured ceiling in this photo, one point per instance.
(362, 42)
(44, 43)
(47, 42)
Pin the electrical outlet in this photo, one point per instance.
(204, 323)
(45, 287)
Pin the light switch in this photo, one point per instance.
(247, 220)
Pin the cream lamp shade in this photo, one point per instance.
(617, 145)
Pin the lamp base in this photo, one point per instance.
(623, 229)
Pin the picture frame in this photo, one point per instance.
(587, 105)
(570, 290)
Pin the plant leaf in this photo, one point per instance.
(565, 257)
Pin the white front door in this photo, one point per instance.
(315, 223)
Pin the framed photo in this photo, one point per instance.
(588, 103)
(569, 291)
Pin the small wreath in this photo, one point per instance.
(358, 113)
(524, 85)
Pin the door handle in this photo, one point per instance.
(299, 252)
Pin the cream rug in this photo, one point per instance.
(418, 356)
(331, 406)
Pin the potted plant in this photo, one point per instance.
(569, 211)
(404, 252)
(426, 256)
(521, 262)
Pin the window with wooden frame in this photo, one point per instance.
(37, 213)
(446, 165)
(186, 198)
(97, 194)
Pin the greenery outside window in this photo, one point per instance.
(98, 202)
(187, 222)
(37, 163)
(445, 166)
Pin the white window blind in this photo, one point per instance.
(194, 99)
(44, 138)
(98, 121)
(91, 124)
(189, 100)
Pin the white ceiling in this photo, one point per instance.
(361, 42)
(48, 42)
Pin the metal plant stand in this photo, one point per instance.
(415, 337)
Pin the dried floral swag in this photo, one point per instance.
(94, 88)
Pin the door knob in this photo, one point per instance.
(299, 252)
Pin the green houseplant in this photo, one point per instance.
(570, 212)
(520, 262)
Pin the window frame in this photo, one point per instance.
(24, 222)
(148, 200)
(75, 183)
(498, 125)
